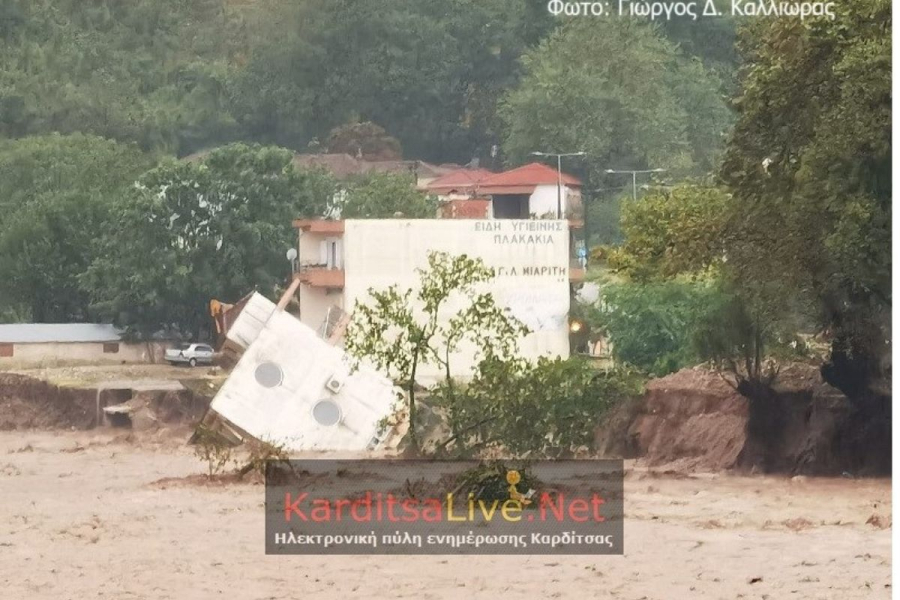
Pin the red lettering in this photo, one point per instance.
(391, 502)
(293, 507)
(432, 513)
(547, 502)
(578, 506)
(596, 501)
(367, 505)
(321, 511)
(409, 507)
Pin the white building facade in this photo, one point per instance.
(340, 261)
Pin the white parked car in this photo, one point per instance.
(191, 354)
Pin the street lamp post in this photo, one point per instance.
(558, 175)
(634, 175)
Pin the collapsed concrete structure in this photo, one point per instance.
(296, 390)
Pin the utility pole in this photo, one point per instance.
(558, 175)
(634, 175)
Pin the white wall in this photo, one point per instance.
(283, 413)
(308, 248)
(315, 303)
(314, 249)
(543, 200)
(530, 256)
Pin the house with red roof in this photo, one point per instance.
(457, 185)
(458, 194)
(532, 191)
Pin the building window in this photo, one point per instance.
(111, 348)
(6, 350)
(330, 253)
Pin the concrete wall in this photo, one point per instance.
(315, 302)
(531, 258)
(41, 353)
(308, 248)
(281, 409)
(544, 198)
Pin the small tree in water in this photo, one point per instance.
(401, 331)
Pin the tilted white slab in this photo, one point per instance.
(282, 379)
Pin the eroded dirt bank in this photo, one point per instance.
(693, 420)
(27, 403)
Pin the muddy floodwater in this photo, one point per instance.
(105, 514)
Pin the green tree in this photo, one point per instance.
(647, 106)
(382, 195)
(711, 40)
(400, 331)
(809, 164)
(428, 71)
(56, 194)
(549, 408)
(154, 72)
(188, 232)
(367, 140)
(672, 232)
(653, 326)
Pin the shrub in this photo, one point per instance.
(211, 447)
(548, 408)
(652, 325)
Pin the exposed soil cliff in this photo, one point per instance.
(693, 420)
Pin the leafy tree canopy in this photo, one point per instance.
(366, 140)
(428, 71)
(56, 193)
(183, 76)
(618, 90)
(188, 232)
(809, 164)
(381, 195)
(672, 232)
(151, 72)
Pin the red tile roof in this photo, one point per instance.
(524, 177)
(460, 180)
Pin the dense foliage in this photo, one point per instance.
(56, 197)
(183, 76)
(383, 196)
(667, 233)
(649, 106)
(547, 408)
(151, 72)
(654, 326)
(809, 164)
(188, 232)
(797, 236)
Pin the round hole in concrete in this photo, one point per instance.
(327, 413)
(268, 374)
